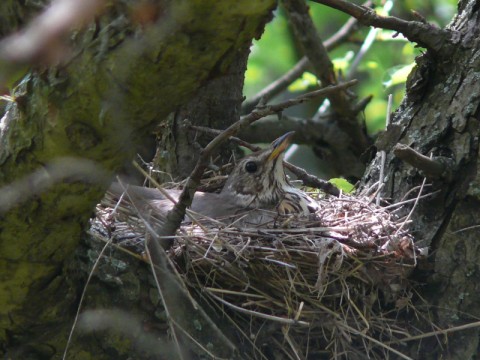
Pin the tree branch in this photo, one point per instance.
(42, 40)
(426, 35)
(367, 43)
(362, 104)
(306, 132)
(94, 107)
(439, 167)
(311, 180)
(235, 139)
(294, 73)
(306, 34)
(332, 145)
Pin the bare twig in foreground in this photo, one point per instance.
(426, 35)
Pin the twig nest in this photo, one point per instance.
(317, 284)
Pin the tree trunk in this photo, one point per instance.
(215, 105)
(126, 77)
(72, 126)
(440, 118)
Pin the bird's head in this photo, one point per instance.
(259, 179)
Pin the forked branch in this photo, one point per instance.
(423, 33)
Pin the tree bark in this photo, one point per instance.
(215, 105)
(126, 77)
(439, 118)
(121, 78)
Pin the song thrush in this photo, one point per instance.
(258, 182)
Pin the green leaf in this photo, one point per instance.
(375, 115)
(343, 185)
(342, 63)
(307, 80)
(398, 75)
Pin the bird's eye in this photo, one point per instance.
(251, 167)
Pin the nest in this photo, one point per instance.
(327, 287)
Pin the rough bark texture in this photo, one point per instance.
(440, 116)
(125, 79)
(215, 105)
(120, 81)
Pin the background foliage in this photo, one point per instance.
(382, 71)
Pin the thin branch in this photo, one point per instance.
(432, 168)
(361, 334)
(382, 344)
(367, 44)
(156, 256)
(334, 144)
(175, 216)
(215, 132)
(362, 104)
(413, 207)
(82, 297)
(311, 180)
(280, 320)
(472, 325)
(307, 36)
(306, 131)
(154, 182)
(383, 153)
(404, 202)
(301, 66)
(42, 40)
(261, 112)
(177, 300)
(277, 86)
(426, 35)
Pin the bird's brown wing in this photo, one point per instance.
(151, 204)
(150, 201)
(225, 209)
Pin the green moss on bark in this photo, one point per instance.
(98, 106)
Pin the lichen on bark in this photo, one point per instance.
(120, 79)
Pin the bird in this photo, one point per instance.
(257, 186)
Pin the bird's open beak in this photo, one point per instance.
(280, 145)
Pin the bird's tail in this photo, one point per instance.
(147, 204)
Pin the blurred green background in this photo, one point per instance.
(382, 71)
